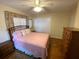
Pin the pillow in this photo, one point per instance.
(27, 31)
(23, 32)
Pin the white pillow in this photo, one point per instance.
(23, 32)
(27, 31)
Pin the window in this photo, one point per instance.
(19, 21)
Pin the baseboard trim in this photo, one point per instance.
(55, 38)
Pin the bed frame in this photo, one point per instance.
(16, 28)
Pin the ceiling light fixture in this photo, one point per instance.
(37, 7)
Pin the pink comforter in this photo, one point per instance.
(35, 42)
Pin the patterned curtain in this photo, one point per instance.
(9, 18)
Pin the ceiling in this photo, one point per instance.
(48, 5)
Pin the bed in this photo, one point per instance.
(32, 43)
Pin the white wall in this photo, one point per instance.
(76, 22)
(4, 36)
(72, 20)
(3, 31)
(75, 17)
(59, 20)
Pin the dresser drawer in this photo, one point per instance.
(67, 35)
(6, 48)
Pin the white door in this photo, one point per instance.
(42, 24)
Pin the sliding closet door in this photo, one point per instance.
(42, 24)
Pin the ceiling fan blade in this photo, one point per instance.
(22, 3)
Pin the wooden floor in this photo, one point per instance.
(55, 51)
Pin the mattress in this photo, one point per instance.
(33, 43)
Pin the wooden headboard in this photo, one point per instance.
(16, 28)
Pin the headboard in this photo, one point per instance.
(20, 27)
(16, 28)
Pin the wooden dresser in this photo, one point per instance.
(71, 43)
(6, 48)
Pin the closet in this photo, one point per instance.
(42, 24)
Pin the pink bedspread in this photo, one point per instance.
(36, 43)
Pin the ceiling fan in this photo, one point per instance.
(37, 7)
